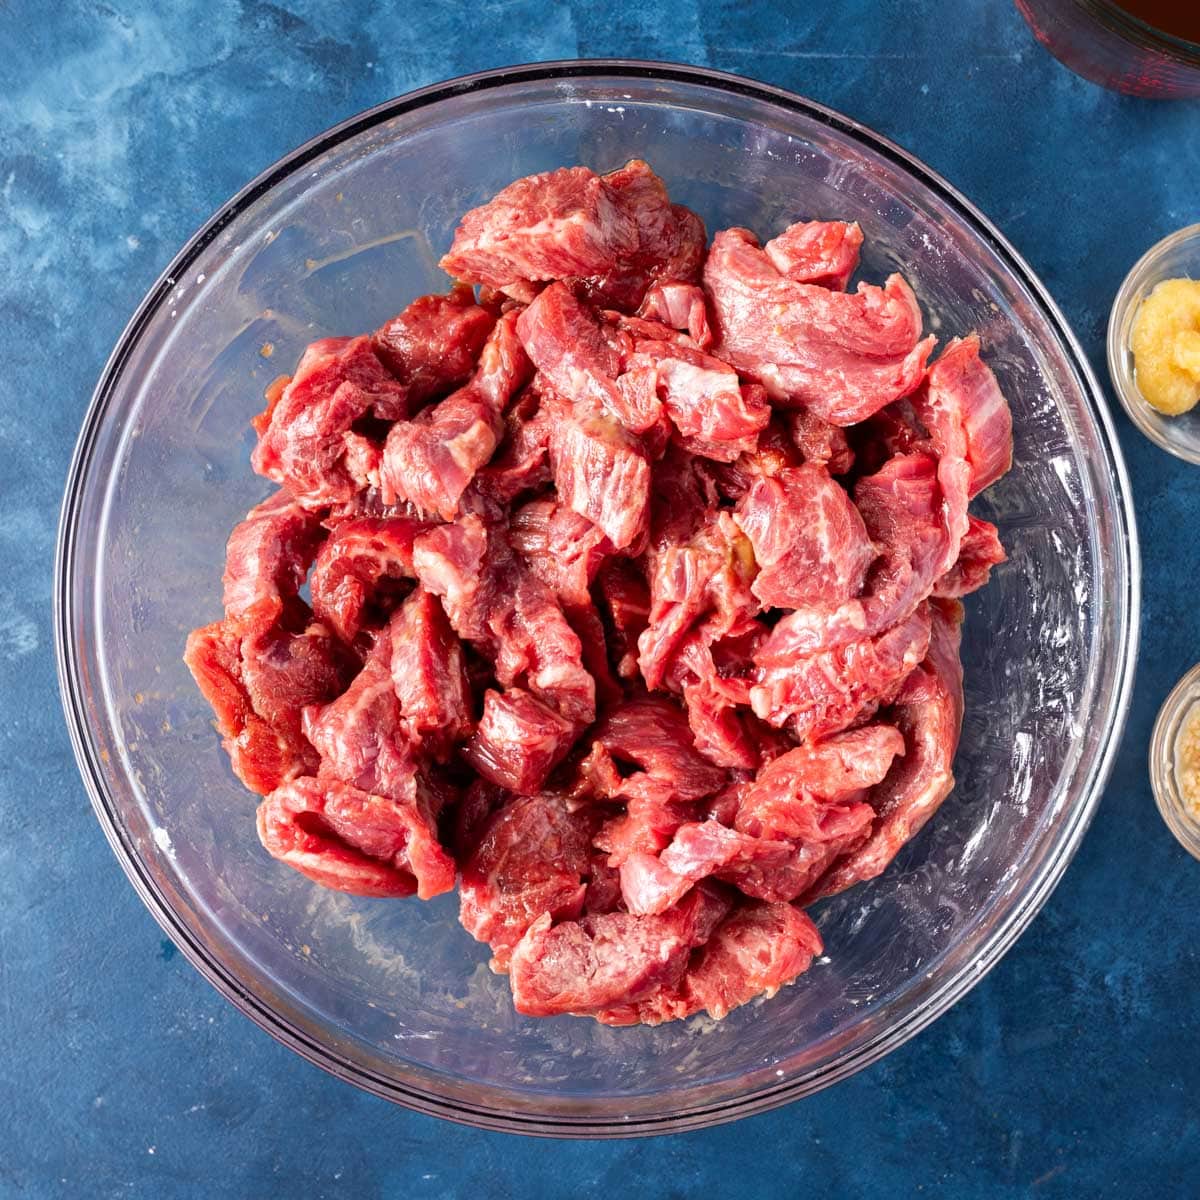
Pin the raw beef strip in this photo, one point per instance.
(429, 676)
(929, 714)
(359, 736)
(571, 223)
(351, 841)
(809, 541)
(432, 346)
(625, 599)
(560, 547)
(522, 461)
(708, 577)
(602, 472)
(824, 253)
(360, 566)
(915, 528)
(262, 756)
(724, 731)
(532, 859)
(716, 415)
(431, 459)
(301, 435)
(774, 452)
(472, 813)
(581, 359)
(651, 734)
(814, 792)
(821, 442)
(497, 603)
(266, 560)
(755, 951)
(844, 355)
(823, 692)
(597, 962)
(518, 741)
(963, 409)
(449, 561)
(681, 306)
(652, 884)
(979, 553)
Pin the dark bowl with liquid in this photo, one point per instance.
(1145, 48)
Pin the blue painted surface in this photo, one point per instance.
(1071, 1070)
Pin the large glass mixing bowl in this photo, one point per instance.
(394, 996)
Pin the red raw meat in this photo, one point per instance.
(560, 547)
(844, 355)
(820, 693)
(430, 460)
(824, 253)
(809, 541)
(358, 735)
(522, 461)
(532, 859)
(652, 884)
(508, 612)
(814, 792)
(362, 562)
(610, 959)
(429, 676)
(821, 442)
(603, 473)
(262, 757)
(709, 577)
(652, 734)
(624, 466)
(351, 841)
(432, 346)
(755, 951)
(680, 306)
(979, 553)
(617, 233)
(716, 415)
(518, 741)
(302, 434)
(625, 598)
(266, 559)
(967, 417)
(928, 713)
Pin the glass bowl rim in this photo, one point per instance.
(1137, 280)
(937, 999)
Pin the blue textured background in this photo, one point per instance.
(1073, 1069)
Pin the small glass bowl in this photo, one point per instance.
(1174, 257)
(1180, 819)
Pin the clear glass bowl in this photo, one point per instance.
(394, 996)
(1177, 256)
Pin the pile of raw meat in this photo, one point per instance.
(633, 575)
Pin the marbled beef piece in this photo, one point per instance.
(531, 860)
(363, 566)
(810, 543)
(823, 253)
(349, 840)
(302, 442)
(844, 355)
(267, 558)
(928, 712)
(430, 460)
(432, 347)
